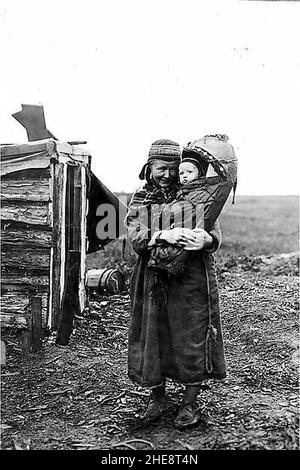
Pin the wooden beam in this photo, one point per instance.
(29, 259)
(70, 302)
(25, 189)
(17, 235)
(34, 213)
(24, 149)
(21, 279)
(36, 322)
(83, 248)
(13, 320)
(36, 176)
(81, 155)
(58, 255)
(26, 343)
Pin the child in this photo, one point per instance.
(207, 173)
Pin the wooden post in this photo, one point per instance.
(70, 305)
(70, 301)
(36, 322)
(3, 353)
(26, 343)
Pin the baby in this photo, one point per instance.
(207, 173)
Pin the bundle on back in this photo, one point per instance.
(199, 203)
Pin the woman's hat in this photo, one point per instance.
(163, 149)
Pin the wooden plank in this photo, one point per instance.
(58, 208)
(3, 354)
(22, 236)
(45, 307)
(21, 197)
(80, 154)
(36, 214)
(83, 236)
(70, 304)
(25, 190)
(75, 206)
(26, 343)
(23, 149)
(29, 259)
(24, 162)
(63, 234)
(36, 322)
(14, 310)
(11, 280)
(13, 320)
(73, 213)
(36, 175)
(69, 207)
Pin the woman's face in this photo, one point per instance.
(164, 173)
(187, 172)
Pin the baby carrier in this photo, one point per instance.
(206, 196)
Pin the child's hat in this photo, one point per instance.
(195, 158)
(214, 149)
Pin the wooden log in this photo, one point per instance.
(25, 189)
(28, 259)
(30, 174)
(84, 202)
(24, 162)
(73, 208)
(36, 323)
(31, 147)
(22, 236)
(70, 304)
(73, 152)
(32, 213)
(3, 354)
(13, 320)
(34, 282)
(26, 343)
(58, 257)
(15, 307)
(22, 197)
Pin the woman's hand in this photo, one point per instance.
(202, 239)
(179, 236)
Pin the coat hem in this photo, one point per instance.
(175, 379)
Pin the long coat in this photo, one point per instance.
(175, 330)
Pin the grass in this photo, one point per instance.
(253, 226)
(260, 225)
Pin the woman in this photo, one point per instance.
(171, 317)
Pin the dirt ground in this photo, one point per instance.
(79, 396)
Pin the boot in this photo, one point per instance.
(188, 414)
(156, 404)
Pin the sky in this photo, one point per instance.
(121, 74)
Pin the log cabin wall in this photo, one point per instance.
(34, 188)
(26, 241)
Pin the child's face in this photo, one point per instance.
(187, 172)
